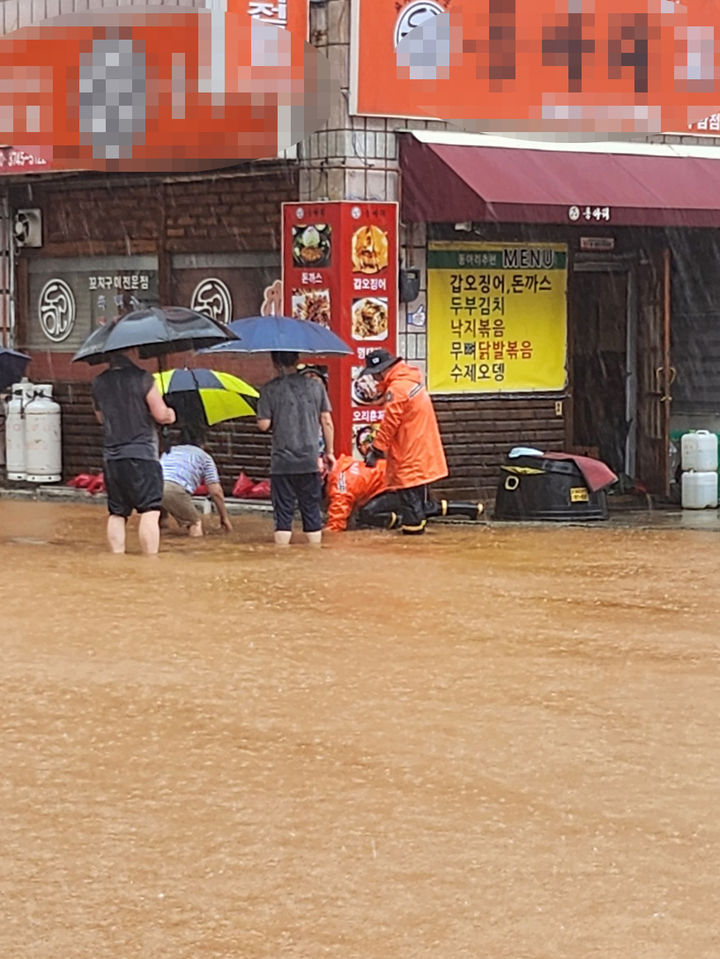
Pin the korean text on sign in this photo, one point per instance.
(269, 12)
(499, 330)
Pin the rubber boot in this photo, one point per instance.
(379, 520)
(459, 508)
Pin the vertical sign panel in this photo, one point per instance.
(497, 317)
(370, 298)
(340, 270)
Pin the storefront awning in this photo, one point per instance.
(451, 177)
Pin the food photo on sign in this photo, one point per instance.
(369, 249)
(312, 245)
(312, 305)
(370, 318)
(339, 271)
(364, 389)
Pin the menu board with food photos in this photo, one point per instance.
(340, 268)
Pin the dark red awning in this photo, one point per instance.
(446, 183)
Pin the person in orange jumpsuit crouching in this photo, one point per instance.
(350, 485)
(408, 438)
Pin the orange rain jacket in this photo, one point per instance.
(351, 484)
(409, 434)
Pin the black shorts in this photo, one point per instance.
(133, 485)
(306, 489)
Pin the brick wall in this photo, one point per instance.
(227, 214)
(113, 216)
(87, 218)
(478, 433)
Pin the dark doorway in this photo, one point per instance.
(600, 370)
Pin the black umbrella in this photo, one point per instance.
(155, 331)
(12, 366)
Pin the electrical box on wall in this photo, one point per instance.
(409, 286)
(27, 228)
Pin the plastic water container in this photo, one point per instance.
(699, 451)
(699, 490)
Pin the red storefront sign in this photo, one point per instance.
(340, 269)
(22, 159)
(196, 88)
(619, 66)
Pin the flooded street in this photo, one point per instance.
(495, 741)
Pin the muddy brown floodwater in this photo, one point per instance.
(496, 742)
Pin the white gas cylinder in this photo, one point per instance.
(699, 490)
(15, 465)
(699, 451)
(43, 442)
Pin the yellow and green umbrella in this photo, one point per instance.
(221, 396)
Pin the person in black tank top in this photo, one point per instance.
(128, 404)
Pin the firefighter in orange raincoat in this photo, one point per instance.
(408, 436)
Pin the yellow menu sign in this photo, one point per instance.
(497, 317)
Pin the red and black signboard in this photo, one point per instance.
(340, 269)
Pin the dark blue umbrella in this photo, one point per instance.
(12, 366)
(262, 334)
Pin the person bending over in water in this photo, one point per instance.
(185, 467)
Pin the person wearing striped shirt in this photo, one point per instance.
(185, 467)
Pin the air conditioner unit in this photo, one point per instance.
(28, 228)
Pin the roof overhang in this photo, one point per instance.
(452, 177)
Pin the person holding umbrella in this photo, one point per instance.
(293, 406)
(128, 404)
(320, 373)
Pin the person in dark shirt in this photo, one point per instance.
(294, 406)
(128, 404)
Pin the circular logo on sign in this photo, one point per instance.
(574, 213)
(56, 310)
(356, 213)
(299, 213)
(413, 15)
(212, 297)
